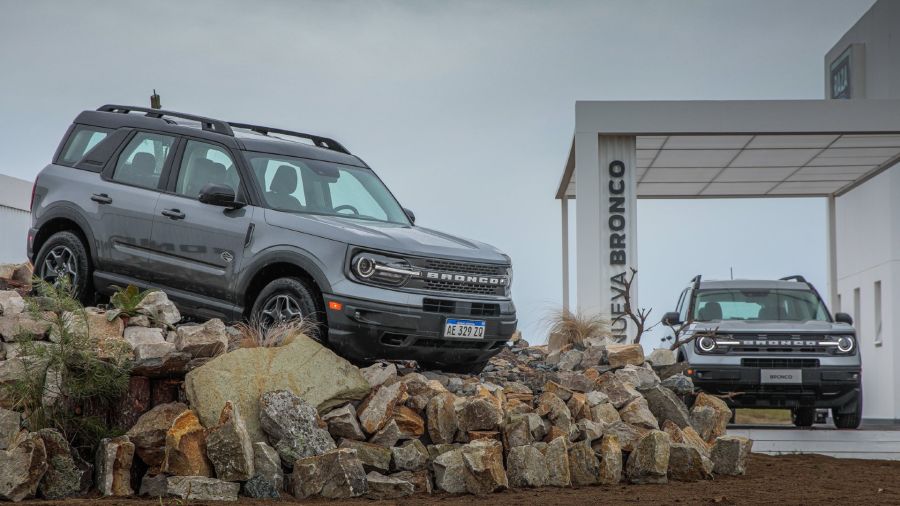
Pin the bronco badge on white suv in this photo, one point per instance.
(772, 344)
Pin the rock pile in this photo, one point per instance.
(299, 420)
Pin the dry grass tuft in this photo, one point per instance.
(566, 327)
(257, 335)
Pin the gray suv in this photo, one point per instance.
(246, 222)
(771, 344)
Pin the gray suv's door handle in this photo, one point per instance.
(175, 214)
(101, 198)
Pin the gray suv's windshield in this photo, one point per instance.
(758, 304)
(302, 185)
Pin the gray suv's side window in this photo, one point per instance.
(203, 164)
(82, 140)
(142, 161)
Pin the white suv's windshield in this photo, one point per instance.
(301, 185)
(758, 304)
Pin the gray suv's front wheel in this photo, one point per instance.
(286, 299)
(64, 255)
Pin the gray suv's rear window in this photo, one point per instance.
(82, 140)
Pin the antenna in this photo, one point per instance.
(155, 102)
(732, 272)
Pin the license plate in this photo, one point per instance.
(781, 376)
(472, 329)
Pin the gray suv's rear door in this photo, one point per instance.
(126, 202)
(199, 247)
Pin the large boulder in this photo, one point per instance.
(303, 367)
(201, 488)
(229, 448)
(721, 415)
(373, 457)
(268, 477)
(410, 456)
(610, 460)
(526, 467)
(159, 308)
(556, 458)
(638, 414)
(584, 467)
(185, 453)
(688, 464)
(206, 340)
(387, 487)
(336, 474)
(639, 377)
(11, 303)
(484, 465)
(10, 423)
(649, 462)
(665, 405)
(441, 418)
(113, 466)
(378, 408)
(149, 433)
(450, 471)
(342, 423)
(293, 427)
(22, 467)
(618, 392)
(620, 355)
(730, 454)
(64, 475)
(687, 436)
(479, 414)
(628, 435)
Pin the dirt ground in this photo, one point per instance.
(793, 479)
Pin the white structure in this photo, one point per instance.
(839, 150)
(15, 217)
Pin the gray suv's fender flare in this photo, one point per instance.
(63, 210)
(284, 254)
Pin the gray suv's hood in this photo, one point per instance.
(390, 237)
(763, 327)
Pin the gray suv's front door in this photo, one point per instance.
(199, 247)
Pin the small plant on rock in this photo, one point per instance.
(71, 383)
(257, 335)
(126, 301)
(567, 327)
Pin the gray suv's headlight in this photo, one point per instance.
(381, 269)
(845, 344)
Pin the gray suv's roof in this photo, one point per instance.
(754, 284)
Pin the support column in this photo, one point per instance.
(606, 225)
(832, 255)
(564, 202)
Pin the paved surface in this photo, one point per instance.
(877, 442)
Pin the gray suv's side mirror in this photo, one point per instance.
(843, 318)
(411, 215)
(671, 318)
(219, 195)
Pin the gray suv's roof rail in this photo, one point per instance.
(795, 277)
(319, 141)
(209, 124)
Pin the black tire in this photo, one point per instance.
(803, 417)
(64, 254)
(287, 298)
(848, 420)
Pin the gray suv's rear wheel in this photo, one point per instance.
(64, 255)
(286, 299)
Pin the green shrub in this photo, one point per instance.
(126, 301)
(69, 384)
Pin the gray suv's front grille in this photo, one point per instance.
(459, 286)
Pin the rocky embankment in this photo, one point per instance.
(207, 419)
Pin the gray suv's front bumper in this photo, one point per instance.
(364, 330)
(825, 386)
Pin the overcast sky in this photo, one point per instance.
(465, 109)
